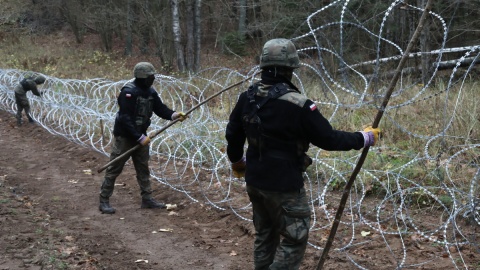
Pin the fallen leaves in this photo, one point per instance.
(171, 206)
(69, 238)
(163, 230)
(365, 233)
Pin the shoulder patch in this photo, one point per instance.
(128, 88)
(295, 98)
(129, 85)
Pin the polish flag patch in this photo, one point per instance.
(128, 95)
(313, 107)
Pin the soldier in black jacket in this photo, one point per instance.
(280, 124)
(25, 85)
(138, 100)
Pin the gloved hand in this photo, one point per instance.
(144, 140)
(238, 168)
(179, 115)
(370, 135)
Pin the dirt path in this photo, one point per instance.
(50, 220)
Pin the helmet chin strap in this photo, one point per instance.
(286, 74)
(144, 83)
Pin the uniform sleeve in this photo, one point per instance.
(36, 92)
(321, 133)
(126, 101)
(33, 87)
(160, 109)
(235, 134)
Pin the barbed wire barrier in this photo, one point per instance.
(397, 187)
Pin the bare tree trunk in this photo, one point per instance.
(103, 18)
(128, 37)
(177, 35)
(440, 66)
(160, 17)
(413, 55)
(198, 34)
(71, 10)
(426, 62)
(145, 30)
(242, 18)
(193, 35)
(189, 58)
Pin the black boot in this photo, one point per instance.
(30, 120)
(105, 208)
(151, 203)
(19, 122)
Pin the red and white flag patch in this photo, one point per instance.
(313, 107)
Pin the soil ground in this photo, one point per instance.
(49, 219)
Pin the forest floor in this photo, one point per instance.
(50, 219)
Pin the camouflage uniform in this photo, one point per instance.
(279, 133)
(27, 84)
(140, 159)
(137, 101)
(279, 213)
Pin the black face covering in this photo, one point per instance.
(274, 75)
(145, 83)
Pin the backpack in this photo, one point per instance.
(25, 84)
(255, 133)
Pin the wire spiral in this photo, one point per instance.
(190, 157)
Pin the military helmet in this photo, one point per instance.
(279, 52)
(40, 79)
(143, 69)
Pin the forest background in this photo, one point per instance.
(188, 35)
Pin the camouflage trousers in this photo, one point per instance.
(140, 159)
(22, 104)
(279, 215)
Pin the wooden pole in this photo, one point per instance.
(101, 131)
(378, 117)
(128, 152)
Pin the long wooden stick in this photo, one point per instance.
(378, 117)
(128, 152)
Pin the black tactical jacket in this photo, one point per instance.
(289, 119)
(25, 85)
(136, 108)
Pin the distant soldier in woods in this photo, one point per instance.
(25, 85)
(280, 124)
(137, 100)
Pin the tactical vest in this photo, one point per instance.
(24, 83)
(256, 136)
(143, 108)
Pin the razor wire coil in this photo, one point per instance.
(190, 157)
